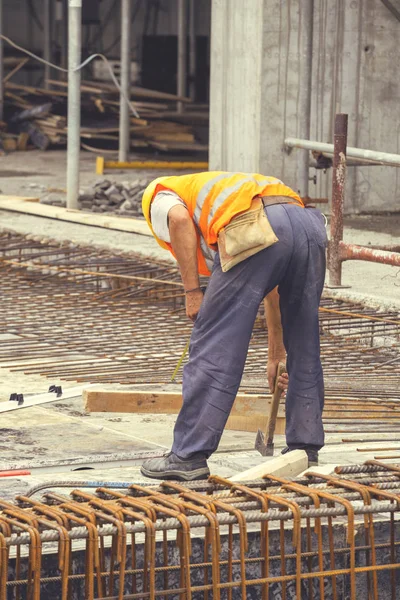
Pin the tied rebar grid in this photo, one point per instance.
(81, 314)
(317, 538)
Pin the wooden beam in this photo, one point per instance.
(14, 204)
(249, 413)
(285, 465)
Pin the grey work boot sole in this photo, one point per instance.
(177, 475)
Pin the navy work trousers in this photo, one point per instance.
(223, 328)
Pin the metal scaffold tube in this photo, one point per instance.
(74, 101)
(305, 79)
(338, 191)
(384, 158)
(181, 70)
(124, 117)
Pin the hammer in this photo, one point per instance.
(265, 443)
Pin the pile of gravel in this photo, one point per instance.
(107, 196)
(121, 198)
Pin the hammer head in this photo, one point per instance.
(264, 447)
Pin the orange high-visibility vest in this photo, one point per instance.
(213, 198)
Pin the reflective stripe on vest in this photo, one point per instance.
(224, 195)
(205, 190)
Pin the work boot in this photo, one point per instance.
(170, 466)
(312, 454)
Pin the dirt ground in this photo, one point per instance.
(39, 173)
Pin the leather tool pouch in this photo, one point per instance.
(245, 235)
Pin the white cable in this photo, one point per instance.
(78, 68)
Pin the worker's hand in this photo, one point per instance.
(193, 303)
(272, 370)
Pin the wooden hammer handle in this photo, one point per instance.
(276, 397)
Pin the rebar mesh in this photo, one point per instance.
(321, 537)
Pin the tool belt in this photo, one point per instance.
(247, 233)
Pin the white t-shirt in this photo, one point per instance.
(160, 207)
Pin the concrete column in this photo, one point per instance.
(306, 27)
(236, 116)
(74, 101)
(257, 92)
(124, 116)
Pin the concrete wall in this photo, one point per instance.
(254, 105)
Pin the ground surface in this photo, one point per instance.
(62, 430)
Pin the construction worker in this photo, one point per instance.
(256, 240)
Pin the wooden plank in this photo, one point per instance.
(249, 412)
(33, 207)
(252, 423)
(16, 69)
(18, 198)
(286, 465)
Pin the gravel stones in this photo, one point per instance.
(107, 196)
(123, 199)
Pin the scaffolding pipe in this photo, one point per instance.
(376, 255)
(383, 158)
(339, 251)
(192, 51)
(1, 63)
(338, 190)
(305, 79)
(64, 37)
(74, 101)
(47, 42)
(124, 116)
(181, 68)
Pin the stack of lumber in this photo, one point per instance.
(41, 113)
(33, 118)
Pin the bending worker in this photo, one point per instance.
(253, 236)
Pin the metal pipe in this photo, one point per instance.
(47, 42)
(305, 79)
(192, 50)
(124, 116)
(64, 37)
(338, 189)
(384, 158)
(74, 101)
(1, 63)
(354, 252)
(181, 67)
